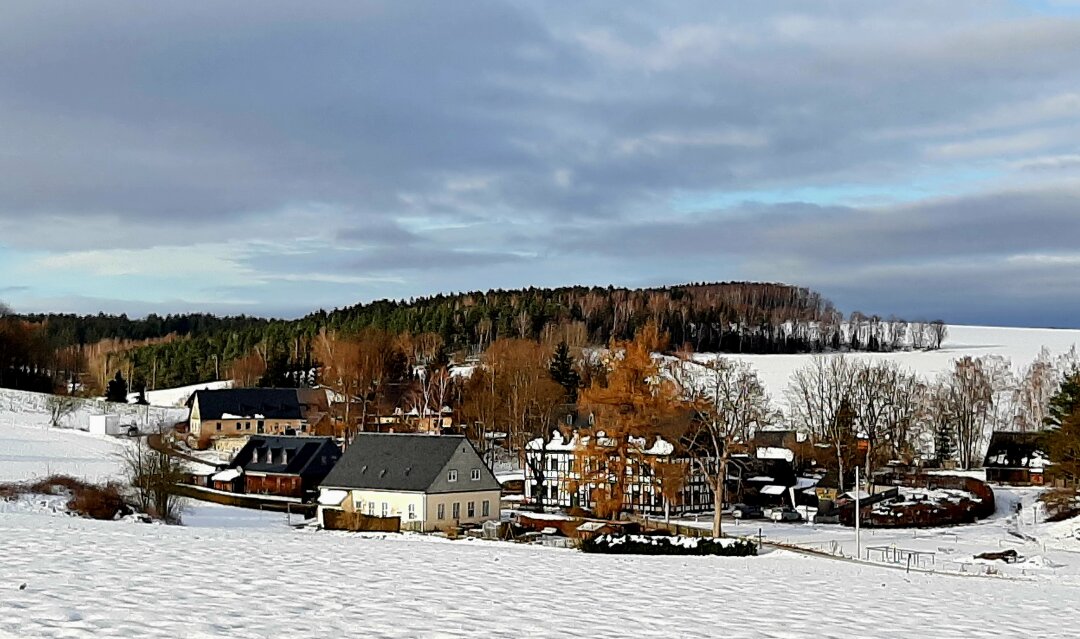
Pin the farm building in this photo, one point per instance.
(279, 465)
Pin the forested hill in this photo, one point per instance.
(723, 317)
(705, 315)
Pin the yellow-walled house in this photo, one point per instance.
(238, 413)
(432, 482)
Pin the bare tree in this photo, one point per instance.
(60, 407)
(729, 403)
(964, 404)
(938, 332)
(153, 474)
(820, 398)
(1039, 382)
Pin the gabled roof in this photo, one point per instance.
(296, 455)
(1015, 450)
(269, 403)
(410, 463)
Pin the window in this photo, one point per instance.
(471, 510)
(385, 509)
(553, 464)
(237, 425)
(476, 474)
(486, 508)
(451, 476)
(260, 425)
(247, 425)
(570, 465)
(442, 511)
(412, 511)
(569, 419)
(457, 510)
(371, 508)
(219, 425)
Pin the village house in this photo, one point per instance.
(562, 488)
(227, 418)
(1015, 458)
(430, 482)
(279, 465)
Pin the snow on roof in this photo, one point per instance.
(767, 452)
(761, 478)
(806, 482)
(228, 474)
(773, 489)
(332, 497)
(660, 447)
(591, 526)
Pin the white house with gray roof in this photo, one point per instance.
(433, 482)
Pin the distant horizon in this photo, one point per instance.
(300, 315)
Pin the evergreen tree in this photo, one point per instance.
(1066, 402)
(1062, 445)
(944, 446)
(1062, 439)
(564, 373)
(140, 388)
(117, 390)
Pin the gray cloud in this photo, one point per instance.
(434, 142)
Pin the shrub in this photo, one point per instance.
(653, 545)
(99, 502)
(1060, 504)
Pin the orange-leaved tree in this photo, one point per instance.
(633, 404)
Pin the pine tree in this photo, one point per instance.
(1066, 402)
(944, 447)
(1062, 439)
(1062, 445)
(117, 390)
(564, 373)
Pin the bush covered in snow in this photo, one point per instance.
(678, 545)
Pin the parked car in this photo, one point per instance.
(746, 511)
(783, 513)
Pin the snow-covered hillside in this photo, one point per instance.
(29, 451)
(179, 396)
(31, 409)
(1019, 345)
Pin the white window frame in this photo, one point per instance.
(442, 511)
(412, 511)
(470, 509)
(486, 508)
(457, 510)
(385, 509)
(451, 476)
(476, 474)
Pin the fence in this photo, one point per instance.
(359, 522)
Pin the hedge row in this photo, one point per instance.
(639, 545)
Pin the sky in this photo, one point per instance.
(918, 159)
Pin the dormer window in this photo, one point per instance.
(451, 476)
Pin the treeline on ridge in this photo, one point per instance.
(730, 317)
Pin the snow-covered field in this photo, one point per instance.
(87, 579)
(1019, 345)
(242, 573)
(35, 452)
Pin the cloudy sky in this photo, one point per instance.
(915, 158)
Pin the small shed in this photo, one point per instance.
(105, 425)
(1017, 459)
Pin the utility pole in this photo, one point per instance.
(858, 547)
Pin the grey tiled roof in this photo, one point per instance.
(271, 403)
(410, 463)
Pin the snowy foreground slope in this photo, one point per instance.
(86, 579)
